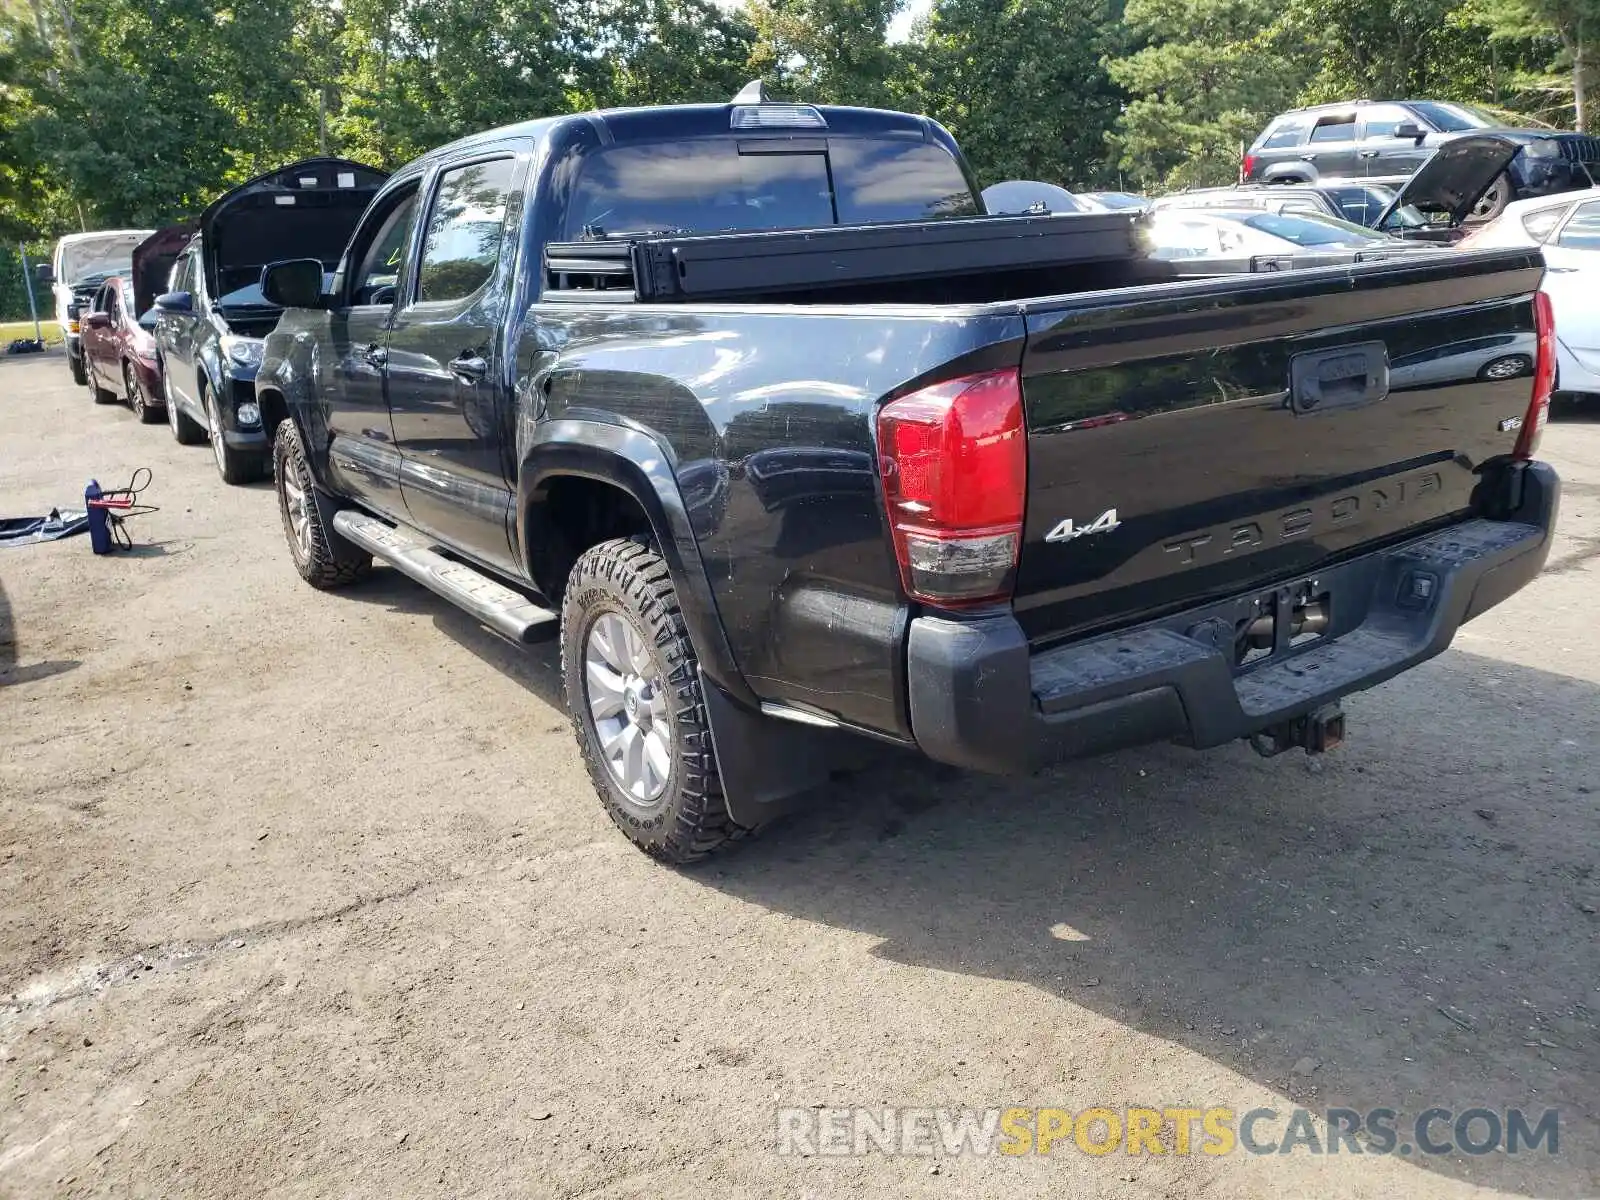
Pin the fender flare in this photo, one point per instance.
(766, 765)
(634, 462)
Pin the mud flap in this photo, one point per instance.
(768, 766)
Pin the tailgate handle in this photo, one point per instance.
(1346, 377)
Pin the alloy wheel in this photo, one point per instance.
(627, 700)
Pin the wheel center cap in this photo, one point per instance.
(633, 701)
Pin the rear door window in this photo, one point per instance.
(465, 230)
(1582, 231)
(1290, 131)
(1334, 129)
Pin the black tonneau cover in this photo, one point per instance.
(683, 267)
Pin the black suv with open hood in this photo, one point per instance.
(213, 316)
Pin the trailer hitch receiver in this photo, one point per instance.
(1315, 733)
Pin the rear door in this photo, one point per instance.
(449, 380)
(1572, 270)
(1173, 457)
(1332, 147)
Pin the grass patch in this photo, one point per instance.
(11, 330)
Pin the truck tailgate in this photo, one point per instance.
(1222, 434)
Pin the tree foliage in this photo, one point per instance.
(134, 112)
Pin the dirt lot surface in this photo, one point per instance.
(308, 895)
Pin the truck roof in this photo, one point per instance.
(670, 121)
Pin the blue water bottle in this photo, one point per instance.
(99, 523)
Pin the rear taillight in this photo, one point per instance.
(1544, 378)
(1247, 165)
(954, 460)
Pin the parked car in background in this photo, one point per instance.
(1361, 203)
(1566, 229)
(119, 350)
(212, 317)
(1386, 141)
(1030, 196)
(1112, 201)
(80, 263)
(1179, 233)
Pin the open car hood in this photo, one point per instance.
(307, 209)
(152, 263)
(1456, 176)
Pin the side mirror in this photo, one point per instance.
(1410, 129)
(296, 283)
(98, 320)
(175, 302)
(44, 273)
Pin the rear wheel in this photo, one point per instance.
(323, 558)
(185, 429)
(233, 465)
(633, 690)
(138, 400)
(75, 362)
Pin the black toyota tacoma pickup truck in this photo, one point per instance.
(797, 450)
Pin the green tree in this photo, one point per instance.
(1205, 79)
(1021, 85)
(1556, 40)
(827, 51)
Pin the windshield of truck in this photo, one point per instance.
(98, 256)
(728, 184)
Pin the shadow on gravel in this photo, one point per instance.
(536, 668)
(1413, 926)
(11, 671)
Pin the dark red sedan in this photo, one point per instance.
(119, 352)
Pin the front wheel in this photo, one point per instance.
(323, 558)
(233, 466)
(186, 431)
(1493, 202)
(633, 691)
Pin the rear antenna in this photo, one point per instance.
(754, 92)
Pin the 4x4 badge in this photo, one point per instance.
(1066, 530)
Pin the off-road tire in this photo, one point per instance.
(330, 560)
(626, 576)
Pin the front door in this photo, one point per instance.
(449, 381)
(1385, 157)
(175, 331)
(99, 335)
(362, 454)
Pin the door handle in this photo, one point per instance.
(1308, 158)
(1369, 154)
(469, 368)
(376, 355)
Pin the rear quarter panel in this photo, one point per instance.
(766, 416)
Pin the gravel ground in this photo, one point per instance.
(308, 894)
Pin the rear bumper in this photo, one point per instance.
(980, 699)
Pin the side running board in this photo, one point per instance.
(496, 605)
